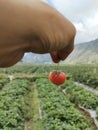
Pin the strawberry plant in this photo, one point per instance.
(58, 113)
(12, 105)
(80, 96)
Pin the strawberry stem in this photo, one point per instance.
(57, 67)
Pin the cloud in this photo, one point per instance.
(88, 29)
(49, 2)
(83, 14)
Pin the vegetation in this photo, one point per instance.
(12, 105)
(58, 112)
(80, 96)
(30, 101)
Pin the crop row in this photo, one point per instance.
(12, 105)
(3, 82)
(57, 111)
(80, 96)
(87, 74)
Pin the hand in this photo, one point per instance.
(33, 26)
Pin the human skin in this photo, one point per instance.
(33, 26)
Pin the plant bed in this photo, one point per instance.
(57, 111)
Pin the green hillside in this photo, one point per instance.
(84, 53)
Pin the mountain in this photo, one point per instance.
(83, 53)
(37, 58)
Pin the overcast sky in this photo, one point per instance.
(83, 14)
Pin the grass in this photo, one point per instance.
(32, 103)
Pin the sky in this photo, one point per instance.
(83, 14)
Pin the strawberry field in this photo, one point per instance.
(29, 101)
